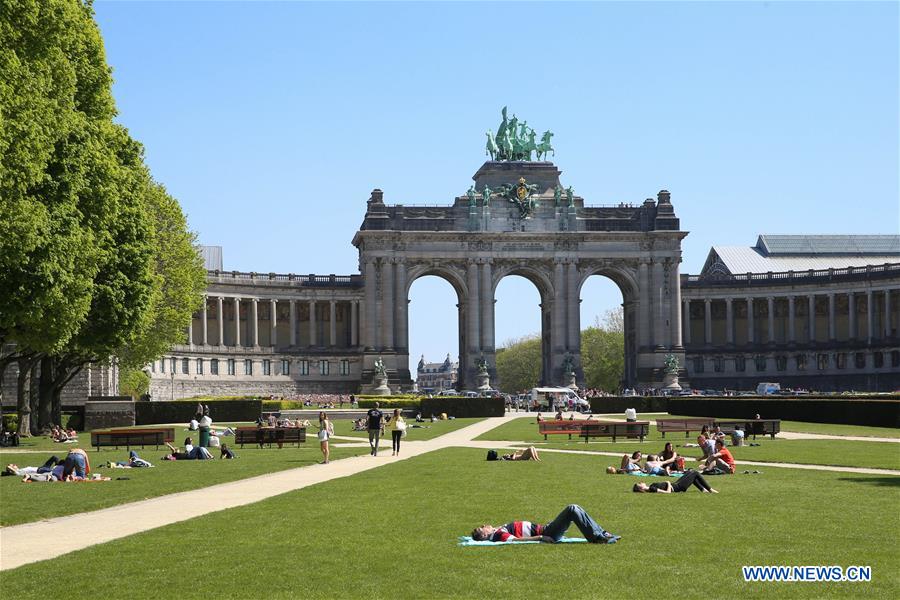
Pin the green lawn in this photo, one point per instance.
(426, 431)
(25, 502)
(391, 532)
(883, 455)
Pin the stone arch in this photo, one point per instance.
(541, 279)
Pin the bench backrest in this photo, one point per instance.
(562, 426)
(683, 424)
(127, 438)
(266, 435)
(752, 426)
(616, 428)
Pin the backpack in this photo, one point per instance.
(492, 455)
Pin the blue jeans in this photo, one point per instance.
(74, 462)
(573, 513)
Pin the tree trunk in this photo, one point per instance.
(45, 393)
(23, 404)
(37, 426)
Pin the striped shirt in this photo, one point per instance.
(517, 529)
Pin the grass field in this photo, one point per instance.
(26, 502)
(391, 532)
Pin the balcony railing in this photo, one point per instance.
(311, 280)
(887, 270)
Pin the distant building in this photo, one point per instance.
(436, 376)
(807, 311)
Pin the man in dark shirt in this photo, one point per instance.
(376, 427)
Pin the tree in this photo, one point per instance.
(603, 352)
(134, 382)
(519, 363)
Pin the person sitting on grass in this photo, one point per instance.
(559, 415)
(717, 434)
(719, 462)
(707, 446)
(737, 436)
(529, 453)
(526, 531)
(76, 465)
(227, 453)
(667, 487)
(657, 466)
(630, 464)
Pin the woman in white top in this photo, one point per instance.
(326, 430)
(398, 426)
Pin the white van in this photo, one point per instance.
(547, 398)
(764, 389)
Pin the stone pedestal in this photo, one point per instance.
(381, 386)
(569, 380)
(484, 382)
(670, 382)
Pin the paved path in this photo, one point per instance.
(27, 543)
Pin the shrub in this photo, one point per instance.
(10, 422)
(390, 402)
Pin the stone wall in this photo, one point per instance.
(116, 411)
(162, 389)
(93, 380)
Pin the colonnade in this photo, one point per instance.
(329, 310)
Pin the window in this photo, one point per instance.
(740, 364)
(718, 364)
(698, 364)
(248, 367)
(840, 360)
(162, 365)
(859, 359)
(760, 363)
(199, 366)
(214, 366)
(800, 361)
(153, 367)
(323, 367)
(267, 366)
(172, 363)
(781, 363)
(185, 366)
(304, 367)
(285, 367)
(879, 359)
(231, 366)
(345, 367)
(821, 361)
(895, 358)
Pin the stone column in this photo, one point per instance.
(190, 331)
(220, 318)
(387, 303)
(370, 340)
(687, 321)
(707, 322)
(729, 321)
(558, 326)
(332, 324)
(645, 294)
(750, 336)
(852, 332)
(887, 313)
(237, 321)
(312, 322)
(354, 324)
(487, 307)
(832, 333)
(812, 317)
(659, 337)
(675, 303)
(472, 305)
(273, 322)
(293, 322)
(254, 320)
(771, 310)
(574, 304)
(204, 339)
(402, 301)
(870, 317)
(792, 329)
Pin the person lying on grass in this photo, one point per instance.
(719, 461)
(47, 467)
(134, 462)
(630, 463)
(195, 453)
(682, 485)
(552, 532)
(529, 453)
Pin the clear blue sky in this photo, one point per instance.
(271, 122)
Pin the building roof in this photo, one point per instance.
(212, 257)
(780, 253)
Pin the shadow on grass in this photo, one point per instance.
(887, 480)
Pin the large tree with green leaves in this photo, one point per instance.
(519, 364)
(603, 352)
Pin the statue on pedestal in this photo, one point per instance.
(568, 368)
(470, 194)
(515, 141)
(381, 379)
(670, 373)
(482, 378)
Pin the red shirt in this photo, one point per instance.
(726, 456)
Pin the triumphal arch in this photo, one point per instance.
(518, 218)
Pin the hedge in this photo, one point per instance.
(860, 411)
(391, 402)
(150, 413)
(618, 404)
(464, 407)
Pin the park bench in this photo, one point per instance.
(752, 427)
(269, 435)
(589, 428)
(686, 425)
(132, 437)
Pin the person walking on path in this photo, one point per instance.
(552, 532)
(376, 427)
(326, 430)
(398, 428)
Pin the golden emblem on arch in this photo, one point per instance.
(522, 189)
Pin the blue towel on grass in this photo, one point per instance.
(642, 474)
(465, 540)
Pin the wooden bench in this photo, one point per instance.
(686, 425)
(752, 427)
(132, 437)
(589, 428)
(269, 435)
